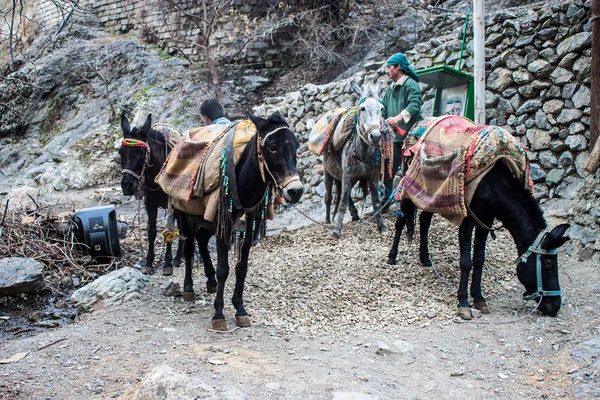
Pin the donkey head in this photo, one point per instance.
(537, 270)
(134, 152)
(369, 113)
(278, 146)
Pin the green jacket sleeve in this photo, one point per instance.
(414, 98)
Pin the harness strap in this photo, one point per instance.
(262, 164)
(481, 224)
(231, 169)
(535, 248)
(130, 172)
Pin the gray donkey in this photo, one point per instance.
(354, 151)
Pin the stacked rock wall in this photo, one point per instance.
(152, 22)
(538, 88)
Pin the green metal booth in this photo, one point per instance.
(455, 90)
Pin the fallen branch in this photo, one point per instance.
(51, 343)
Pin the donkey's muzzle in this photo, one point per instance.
(375, 137)
(129, 185)
(292, 192)
(550, 305)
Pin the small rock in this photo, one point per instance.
(475, 313)
(502, 376)
(34, 316)
(47, 324)
(170, 288)
(457, 373)
(273, 386)
(383, 349)
(432, 314)
(215, 361)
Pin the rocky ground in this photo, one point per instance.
(330, 320)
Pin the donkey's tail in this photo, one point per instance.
(409, 209)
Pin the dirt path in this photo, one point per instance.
(328, 322)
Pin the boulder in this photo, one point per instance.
(20, 275)
(118, 285)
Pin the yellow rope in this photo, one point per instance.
(169, 235)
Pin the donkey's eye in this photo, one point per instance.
(272, 149)
(362, 109)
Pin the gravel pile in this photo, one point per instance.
(306, 281)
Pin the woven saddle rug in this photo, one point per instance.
(451, 158)
(319, 132)
(335, 128)
(191, 173)
(172, 135)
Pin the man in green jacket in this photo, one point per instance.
(402, 102)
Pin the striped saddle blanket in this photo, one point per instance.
(191, 173)
(450, 159)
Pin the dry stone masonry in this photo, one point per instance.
(538, 88)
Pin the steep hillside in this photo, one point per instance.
(60, 99)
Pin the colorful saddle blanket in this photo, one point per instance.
(191, 173)
(320, 131)
(450, 159)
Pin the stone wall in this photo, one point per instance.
(151, 22)
(538, 88)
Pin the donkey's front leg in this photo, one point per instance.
(241, 269)
(328, 179)
(187, 231)
(478, 259)
(203, 236)
(465, 234)
(399, 226)
(373, 183)
(168, 265)
(218, 321)
(152, 211)
(424, 223)
(344, 196)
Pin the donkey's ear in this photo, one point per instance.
(147, 125)
(258, 121)
(377, 89)
(356, 89)
(556, 237)
(277, 118)
(125, 125)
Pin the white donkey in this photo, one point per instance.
(354, 150)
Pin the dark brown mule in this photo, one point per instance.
(499, 195)
(267, 163)
(143, 152)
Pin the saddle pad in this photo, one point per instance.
(319, 131)
(192, 170)
(452, 156)
(172, 135)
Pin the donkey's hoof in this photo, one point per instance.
(383, 229)
(167, 271)
(464, 313)
(176, 263)
(189, 296)
(147, 270)
(242, 321)
(211, 288)
(391, 261)
(482, 306)
(426, 263)
(219, 324)
(355, 218)
(335, 234)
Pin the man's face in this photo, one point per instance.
(394, 72)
